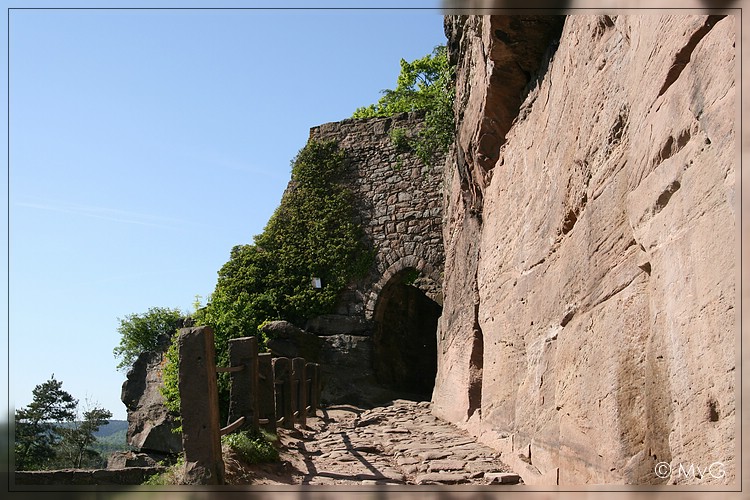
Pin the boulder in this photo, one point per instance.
(287, 341)
(124, 459)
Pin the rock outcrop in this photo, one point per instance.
(150, 424)
(589, 319)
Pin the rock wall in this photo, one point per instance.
(589, 322)
(86, 477)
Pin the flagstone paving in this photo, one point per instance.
(402, 443)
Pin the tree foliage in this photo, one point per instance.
(424, 84)
(141, 332)
(78, 440)
(311, 234)
(48, 434)
(37, 425)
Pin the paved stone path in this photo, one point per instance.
(398, 444)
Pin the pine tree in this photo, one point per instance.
(37, 426)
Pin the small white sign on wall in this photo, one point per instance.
(316, 283)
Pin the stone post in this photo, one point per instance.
(243, 394)
(299, 375)
(266, 392)
(283, 384)
(199, 406)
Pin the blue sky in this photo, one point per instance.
(145, 144)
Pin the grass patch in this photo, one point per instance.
(174, 475)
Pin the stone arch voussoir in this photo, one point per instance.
(407, 262)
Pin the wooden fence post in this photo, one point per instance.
(243, 393)
(312, 370)
(299, 375)
(199, 404)
(266, 393)
(283, 382)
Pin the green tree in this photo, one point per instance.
(75, 448)
(141, 332)
(37, 426)
(424, 84)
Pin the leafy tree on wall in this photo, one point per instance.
(311, 234)
(141, 332)
(424, 84)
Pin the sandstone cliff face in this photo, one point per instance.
(589, 319)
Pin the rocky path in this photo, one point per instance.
(398, 444)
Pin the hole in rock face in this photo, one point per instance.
(405, 337)
(712, 410)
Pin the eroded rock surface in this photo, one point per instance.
(589, 319)
(150, 425)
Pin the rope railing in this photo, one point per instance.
(264, 391)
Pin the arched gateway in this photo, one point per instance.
(388, 320)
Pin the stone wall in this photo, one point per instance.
(590, 322)
(87, 477)
(399, 202)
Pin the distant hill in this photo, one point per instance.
(113, 427)
(110, 438)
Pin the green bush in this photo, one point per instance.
(172, 476)
(252, 448)
(170, 389)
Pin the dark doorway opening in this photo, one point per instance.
(405, 337)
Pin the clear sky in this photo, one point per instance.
(145, 144)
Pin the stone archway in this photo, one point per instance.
(405, 336)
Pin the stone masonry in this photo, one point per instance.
(382, 335)
(399, 202)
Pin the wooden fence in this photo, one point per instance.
(264, 392)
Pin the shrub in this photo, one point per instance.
(174, 474)
(252, 448)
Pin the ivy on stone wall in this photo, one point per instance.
(312, 234)
(424, 84)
